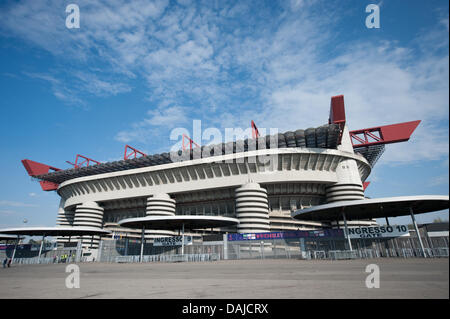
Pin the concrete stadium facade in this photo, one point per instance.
(259, 180)
(261, 188)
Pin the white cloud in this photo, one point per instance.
(149, 128)
(59, 88)
(96, 86)
(229, 63)
(15, 204)
(444, 22)
(170, 116)
(73, 90)
(7, 212)
(438, 180)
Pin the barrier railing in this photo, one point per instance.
(33, 261)
(168, 258)
(319, 254)
(440, 252)
(110, 251)
(343, 254)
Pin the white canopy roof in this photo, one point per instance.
(374, 208)
(55, 231)
(176, 222)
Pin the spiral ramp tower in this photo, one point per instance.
(344, 192)
(160, 205)
(349, 185)
(64, 219)
(89, 214)
(252, 209)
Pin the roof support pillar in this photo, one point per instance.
(417, 232)
(182, 239)
(15, 248)
(142, 243)
(346, 231)
(40, 249)
(79, 250)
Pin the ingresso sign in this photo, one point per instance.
(172, 241)
(378, 231)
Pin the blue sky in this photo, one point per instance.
(134, 71)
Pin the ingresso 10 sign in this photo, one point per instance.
(378, 231)
(172, 241)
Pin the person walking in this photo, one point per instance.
(4, 262)
(9, 262)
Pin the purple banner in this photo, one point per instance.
(21, 246)
(288, 234)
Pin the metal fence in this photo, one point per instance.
(331, 249)
(291, 248)
(168, 258)
(124, 250)
(32, 261)
(46, 260)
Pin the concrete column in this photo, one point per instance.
(142, 243)
(100, 248)
(252, 209)
(40, 249)
(182, 240)
(302, 246)
(346, 232)
(79, 251)
(225, 246)
(15, 248)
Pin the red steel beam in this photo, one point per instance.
(48, 186)
(190, 142)
(34, 169)
(86, 161)
(134, 152)
(387, 134)
(365, 185)
(337, 114)
(255, 132)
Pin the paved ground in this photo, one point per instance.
(285, 279)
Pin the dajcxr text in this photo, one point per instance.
(247, 308)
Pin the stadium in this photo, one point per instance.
(259, 180)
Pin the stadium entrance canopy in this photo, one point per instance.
(176, 223)
(375, 208)
(51, 231)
